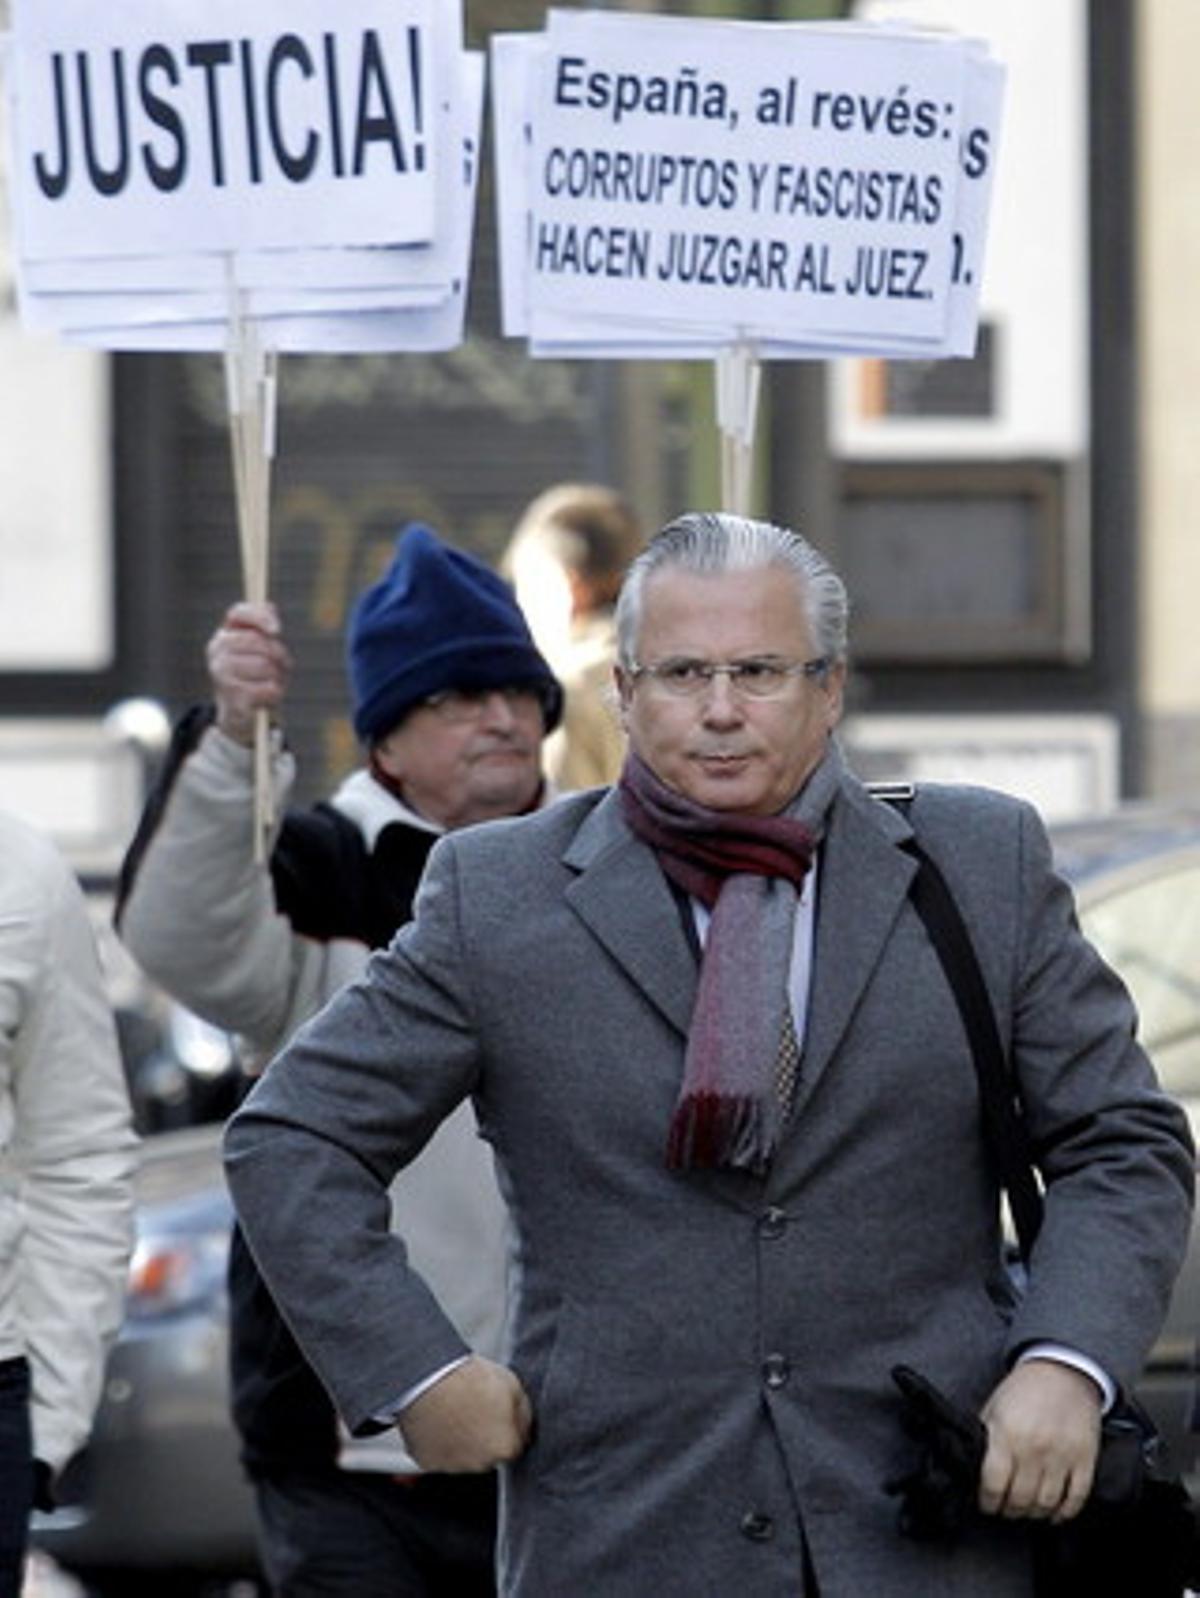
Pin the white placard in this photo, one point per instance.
(69, 313)
(370, 267)
(512, 62)
(420, 328)
(734, 175)
(985, 96)
(161, 125)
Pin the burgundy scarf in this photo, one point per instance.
(748, 870)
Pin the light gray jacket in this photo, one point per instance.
(708, 1355)
(67, 1146)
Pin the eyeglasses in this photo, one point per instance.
(458, 705)
(755, 678)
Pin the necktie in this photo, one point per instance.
(787, 1062)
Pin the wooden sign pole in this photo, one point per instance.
(250, 379)
(738, 379)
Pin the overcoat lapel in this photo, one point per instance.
(862, 886)
(624, 900)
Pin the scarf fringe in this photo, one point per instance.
(711, 1131)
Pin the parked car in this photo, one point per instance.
(159, 1488)
(1136, 875)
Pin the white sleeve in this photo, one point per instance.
(200, 915)
(1062, 1355)
(73, 1154)
(391, 1413)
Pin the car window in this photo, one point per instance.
(1150, 931)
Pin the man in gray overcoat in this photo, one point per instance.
(735, 1118)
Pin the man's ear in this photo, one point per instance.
(384, 756)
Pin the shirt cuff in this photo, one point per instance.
(389, 1416)
(1077, 1361)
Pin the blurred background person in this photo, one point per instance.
(567, 556)
(451, 700)
(67, 1153)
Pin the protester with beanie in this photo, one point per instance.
(451, 700)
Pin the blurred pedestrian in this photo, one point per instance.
(67, 1157)
(730, 1096)
(574, 542)
(452, 701)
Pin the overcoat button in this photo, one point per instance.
(757, 1526)
(776, 1370)
(772, 1222)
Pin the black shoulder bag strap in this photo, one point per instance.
(1003, 1114)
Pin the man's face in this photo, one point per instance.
(464, 758)
(722, 748)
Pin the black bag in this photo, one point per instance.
(1135, 1538)
(1138, 1536)
(1137, 1533)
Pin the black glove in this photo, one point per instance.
(940, 1493)
(43, 1487)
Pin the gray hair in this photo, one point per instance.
(709, 542)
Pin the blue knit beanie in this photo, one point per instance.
(438, 618)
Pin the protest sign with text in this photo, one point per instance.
(155, 126)
(737, 174)
(567, 308)
(307, 320)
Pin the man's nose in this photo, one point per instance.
(721, 702)
(498, 710)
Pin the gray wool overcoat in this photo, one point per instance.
(708, 1355)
